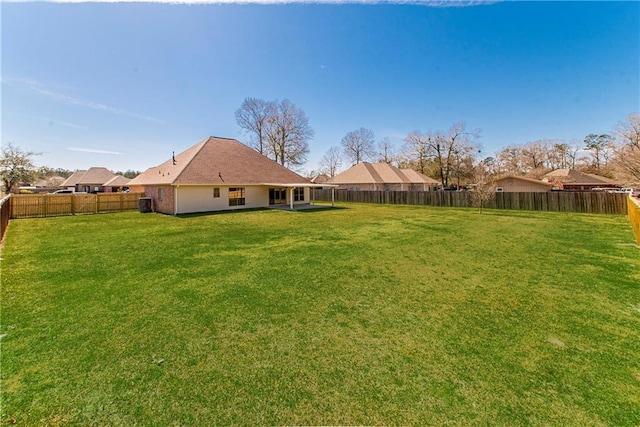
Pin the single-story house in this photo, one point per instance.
(220, 174)
(70, 183)
(89, 181)
(49, 182)
(513, 183)
(382, 177)
(116, 184)
(320, 178)
(573, 180)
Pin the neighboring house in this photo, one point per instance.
(93, 180)
(116, 184)
(50, 182)
(70, 183)
(521, 184)
(89, 181)
(572, 180)
(382, 177)
(220, 174)
(320, 179)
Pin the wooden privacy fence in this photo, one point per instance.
(633, 206)
(557, 201)
(44, 205)
(5, 213)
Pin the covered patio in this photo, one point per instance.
(290, 191)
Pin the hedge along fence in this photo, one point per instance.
(633, 206)
(556, 201)
(45, 205)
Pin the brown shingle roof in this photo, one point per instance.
(218, 161)
(74, 178)
(416, 177)
(524, 178)
(96, 176)
(380, 173)
(571, 176)
(117, 181)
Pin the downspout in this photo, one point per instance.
(175, 200)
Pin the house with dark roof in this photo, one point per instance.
(382, 177)
(220, 174)
(573, 180)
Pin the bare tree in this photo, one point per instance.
(510, 160)
(626, 159)
(535, 156)
(484, 189)
(358, 145)
(288, 133)
(629, 131)
(386, 150)
(601, 147)
(253, 116)
(418, 150)
(16, 166)
(450, 147)
(560, 155)
(331, 162)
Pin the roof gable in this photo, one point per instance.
(74, 178)
(117, 181)
(572, 176)
(96, 176)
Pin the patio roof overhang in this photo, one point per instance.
(291, 187)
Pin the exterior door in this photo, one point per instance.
(277, 196)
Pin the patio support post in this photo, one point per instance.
(333, 197)
(291, 197)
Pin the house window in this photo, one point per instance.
(216, 192)
(499, 190)
(236, 196)
(298, 194)
(160, 193)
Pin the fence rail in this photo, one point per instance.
(45, 205)
(634, 216)
(557, 201)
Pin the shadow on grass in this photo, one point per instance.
(314, 208)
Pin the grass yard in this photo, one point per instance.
(377, 315)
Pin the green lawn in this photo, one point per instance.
(377, 315)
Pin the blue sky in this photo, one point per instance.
(122, 85)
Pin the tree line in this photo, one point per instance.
(454, 156)
(280, 130)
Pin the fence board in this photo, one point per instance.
(633, 206)
(5, 213)
(44, 205)
(582, 202)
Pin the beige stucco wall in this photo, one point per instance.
(516, 185)
(200, 198)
